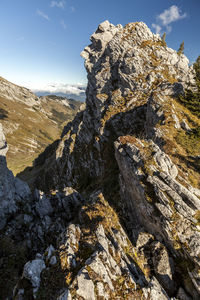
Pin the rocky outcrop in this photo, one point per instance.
(17, 93)
(128, 69)
(12, 190)
(162, 206)
(97, 260)
(133, 80)
(120, 190)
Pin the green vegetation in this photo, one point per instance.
(181, 49)
(197, 69)
(197, 217)
(190, 141)
(30, 130)
(163, 40)
(191, 99)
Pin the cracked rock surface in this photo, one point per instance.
(115, 211)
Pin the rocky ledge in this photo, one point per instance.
(116, 208)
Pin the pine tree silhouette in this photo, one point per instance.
(163, 39)
(181, 49)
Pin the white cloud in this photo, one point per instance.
(171, 15)
(157, 28)
(43, 15)
(63, 24)
(72, 9)
(54, 88)
(168, 29)
(167, 17)
(59, 4)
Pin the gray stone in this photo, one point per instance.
(143, 239)
(12, 190)
(101, 290)
(190, 199)
(184, 125)
(50, 251)
(176, 121)
(39, 256)
(99, 268)
(20, 295)
(102, 238)
(155, 291)
(165, 163)
(3, 143)
(27, 219)
(104, 26)
(85, 286)
(32, 271)
(65, 296)
(162, 267)
(43, 206)
(53, 261)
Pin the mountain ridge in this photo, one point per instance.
(120, 189)
(29, 123)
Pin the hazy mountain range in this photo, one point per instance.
(76, 92)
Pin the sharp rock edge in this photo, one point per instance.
(114, 166)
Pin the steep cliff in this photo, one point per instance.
(130, 229)
(132, 82)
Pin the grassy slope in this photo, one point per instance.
(29, 131)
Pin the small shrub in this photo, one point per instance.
(190, 141)
(181, 49)
(164, 44)
(197, 217)
(191, 99)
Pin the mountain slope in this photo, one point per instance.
(134, 136)
(31, 123)
(118, 214)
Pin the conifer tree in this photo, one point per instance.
(197, 69)
(181, 49)
(191, 99)
(163, 39)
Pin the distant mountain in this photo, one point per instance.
(80, 97)
(76, 92)
(31, 123)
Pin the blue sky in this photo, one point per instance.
(41, 40)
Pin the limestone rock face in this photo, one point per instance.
(96, 258)
(131, 77)
(32, 271)
(12, 189)
(17, 93)
(117, 200)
